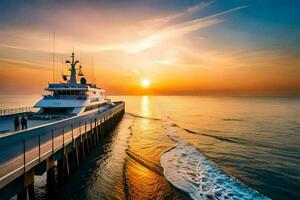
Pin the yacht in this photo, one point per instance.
(71, 97)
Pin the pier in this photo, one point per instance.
(54, 148)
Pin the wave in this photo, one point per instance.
(222, 138)
(143, 117)
(233, 119)
(227, 139)
(148, 164)
(188, 169)
(232, 140)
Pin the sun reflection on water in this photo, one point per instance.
(145, 110)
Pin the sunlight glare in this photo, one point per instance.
(145, 83)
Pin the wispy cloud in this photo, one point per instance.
(167, 32)
(226, 12)
(160, 29)
(25, 64)
(21, 48)
(161, 21)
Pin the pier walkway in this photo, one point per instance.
(51, 148)
(7, 124)
(7, 117)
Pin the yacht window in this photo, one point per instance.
(70, 92)
(88, 108)
(56, 111)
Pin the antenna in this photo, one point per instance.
(93, 80)
(53, 67)
(62, 64)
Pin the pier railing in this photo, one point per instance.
(23, 150)
(14, 111)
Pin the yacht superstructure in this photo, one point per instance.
(71, 97)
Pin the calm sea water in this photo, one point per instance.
(190, 147)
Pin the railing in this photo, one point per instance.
(21, 151)
(13, 111)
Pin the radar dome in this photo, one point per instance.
(83, 80)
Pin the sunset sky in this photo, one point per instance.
(232, 47)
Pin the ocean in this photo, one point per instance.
(191, 147)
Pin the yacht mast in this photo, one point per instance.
(53, 59)
(73, 70)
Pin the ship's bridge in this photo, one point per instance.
(68, 90)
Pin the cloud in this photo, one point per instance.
(25, 64)
(135, 40)
(160, 21)
(226, 12)
(136, 72)
(21, 48)
(167, 32)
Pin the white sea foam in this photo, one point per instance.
(188, 169)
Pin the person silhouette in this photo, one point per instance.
(23, 122)
(17, 123)
(26, 120)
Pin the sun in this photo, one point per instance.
(145, 83)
